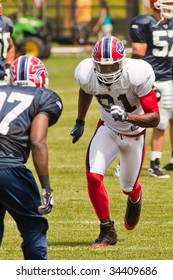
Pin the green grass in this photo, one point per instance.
(73, 223)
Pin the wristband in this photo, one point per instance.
(44, 181)
(78, 121)
(7, 66)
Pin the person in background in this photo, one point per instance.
(28, 109)
(7, 48)
(123, 88)
(7, 55)
(83, 17)
(153, 42)
(103, 26)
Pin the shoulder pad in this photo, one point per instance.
(83, 71)
(142, 19)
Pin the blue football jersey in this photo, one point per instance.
(6, 30)
(159, 40)
(18, 107)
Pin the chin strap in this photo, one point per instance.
(162, 19)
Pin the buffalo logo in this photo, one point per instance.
(120, 48)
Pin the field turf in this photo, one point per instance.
(73, 225)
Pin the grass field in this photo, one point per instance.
(73, 223)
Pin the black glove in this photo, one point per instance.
(77, 130)
(157, 92)
(47, 201)
(118, 113)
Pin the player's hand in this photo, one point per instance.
(47, 202)
(157, 92)
(7, 75)
(77, 130)
(118, 114)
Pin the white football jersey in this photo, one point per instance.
(136, 81)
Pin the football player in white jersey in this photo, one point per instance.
(123, 88)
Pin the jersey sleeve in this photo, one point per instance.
(84, 75)
(143, 79)
(149, 102)
(8, 25)
(139, 29)
(50, 104)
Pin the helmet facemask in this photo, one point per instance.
(165, 7)
(108, 73)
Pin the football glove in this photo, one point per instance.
(7, 73)
(157, 92)
(118, 114)
(47, 202)
(77, 130)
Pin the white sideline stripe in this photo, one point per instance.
(76, 50)
(136, 248)
(94, 222)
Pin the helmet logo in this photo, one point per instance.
(120, 48)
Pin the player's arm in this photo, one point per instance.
(84, 102)
(150, 118)
(9, 58)
(99, 22)
(139, 36)
(11, 52)
(139, 50)
(39, 148)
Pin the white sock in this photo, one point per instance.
(155, 155)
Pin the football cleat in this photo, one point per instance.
(168, 167)
(132, 216)
(107, 236)
(117, 171)
(155, 171)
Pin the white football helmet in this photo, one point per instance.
(165, 7)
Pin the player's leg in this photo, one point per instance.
(157, 146)
(131, 158)
(2, 215)
(169, 166)
(21, 198)
(158, 135)
(101, 152)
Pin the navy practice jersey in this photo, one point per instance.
(159, 39)
(6, 29)
(18, 107)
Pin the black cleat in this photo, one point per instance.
(132, 215)
(168, 167)
(107, 236)
(155, 171)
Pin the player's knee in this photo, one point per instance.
(127, 189)
(94, 179)
(163, 123)
(130, 190)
